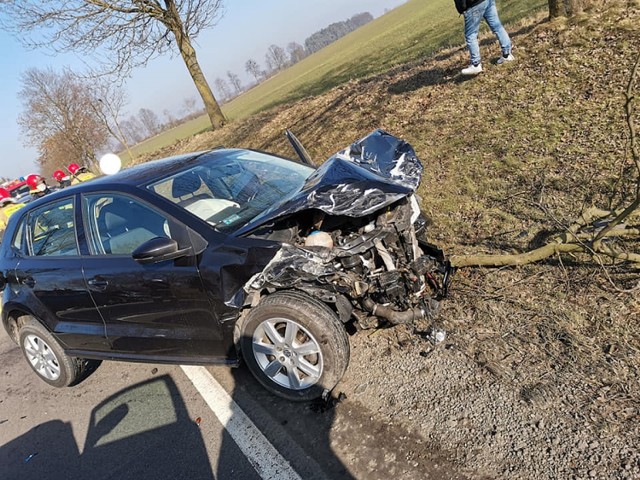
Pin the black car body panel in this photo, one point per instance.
(374, 266)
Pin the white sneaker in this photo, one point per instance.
(503, 59)
(472, 69)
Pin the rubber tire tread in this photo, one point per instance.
(313, 315)
(71, 368)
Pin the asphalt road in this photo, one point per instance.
(144, 421)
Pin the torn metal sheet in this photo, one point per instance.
(372, 173)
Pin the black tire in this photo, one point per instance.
(47, 358)
(293, 369)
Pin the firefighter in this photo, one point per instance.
(79, 174)
(62, 179)
(38, 186)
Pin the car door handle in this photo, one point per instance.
(98, 283)
(29, 282)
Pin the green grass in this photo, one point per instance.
(167, 137)
(410, 32)
(406, 34)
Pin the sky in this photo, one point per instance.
(246, 30)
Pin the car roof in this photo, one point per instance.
(138, 175)
(153, 169)
(142, 174)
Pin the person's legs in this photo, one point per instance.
(472, 18)
(491, 16)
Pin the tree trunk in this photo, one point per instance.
(566, 8)
(188, 53)
(556, 9)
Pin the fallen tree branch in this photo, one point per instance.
(514, 259)
(571, 241)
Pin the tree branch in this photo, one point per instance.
(634, 152)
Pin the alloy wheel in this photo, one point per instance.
(41, 357)
(287, 353)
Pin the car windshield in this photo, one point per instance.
(230, 191)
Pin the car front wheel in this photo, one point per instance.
(46, 357)
(294, 345)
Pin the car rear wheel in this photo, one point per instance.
(47, 358)
(294, 345)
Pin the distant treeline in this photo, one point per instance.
(278, 58)
(333, 32)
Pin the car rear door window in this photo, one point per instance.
(51, 230)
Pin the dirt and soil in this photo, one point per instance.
(539, 374)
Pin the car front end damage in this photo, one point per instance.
(354, 238)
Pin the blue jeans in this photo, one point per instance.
(472, 18)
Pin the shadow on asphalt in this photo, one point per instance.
(141, 432)
(300, 431)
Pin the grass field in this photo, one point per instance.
(412, 31)
(406, 34)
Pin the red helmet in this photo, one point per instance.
(59, 175)
(4, 193)
(73, 168)
(33, 180)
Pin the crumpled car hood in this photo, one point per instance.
(370, 174)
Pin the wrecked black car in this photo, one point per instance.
(206, 257)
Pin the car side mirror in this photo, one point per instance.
(159, 249)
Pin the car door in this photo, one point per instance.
(152, 311)
(49, 279)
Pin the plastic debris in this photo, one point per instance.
(198, 421)
(28, 459)
(438, 336)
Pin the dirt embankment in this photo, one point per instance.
(538, 377)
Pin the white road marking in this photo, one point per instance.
(264, 457)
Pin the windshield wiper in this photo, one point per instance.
(300, 150)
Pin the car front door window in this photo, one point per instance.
(120, 224)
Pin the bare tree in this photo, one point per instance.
(55, 152)
(189, 106)
(276, 58)
(296, 52)
(253, 69)
(234, 80)
(133, 129)
(109, 106)
(150, 120)
(128, 33)
(170, 118)
(222, 87)
(58, 114)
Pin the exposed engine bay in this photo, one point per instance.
(373, 265)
